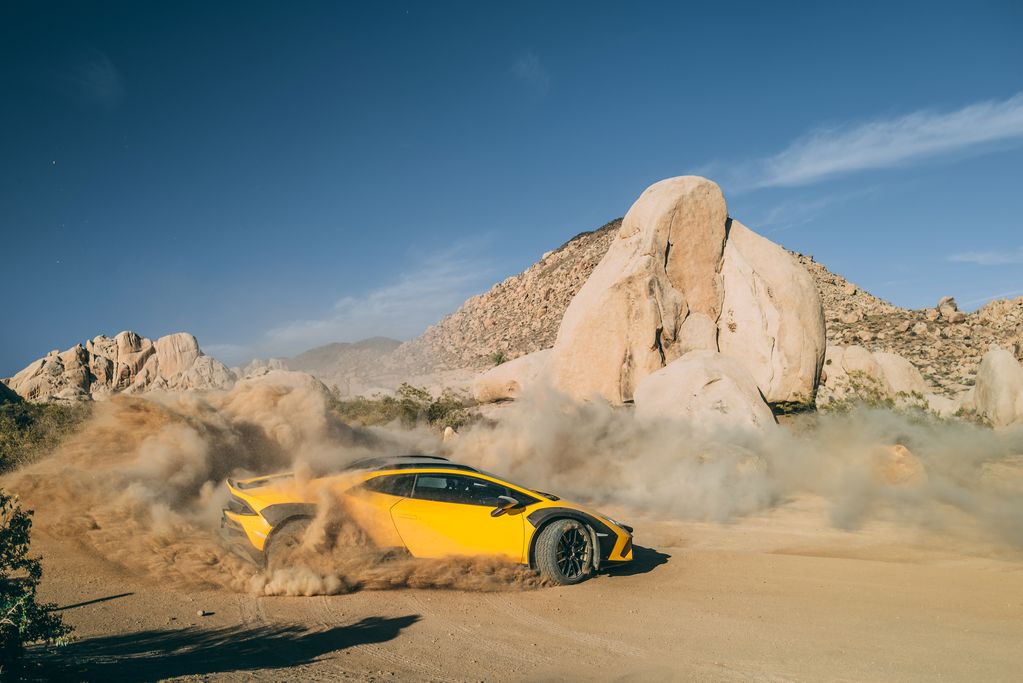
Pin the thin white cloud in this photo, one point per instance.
(96, 81)
(437, 286)
(990, 258)
(992, 297)
(793, 213)
(883, 143)
(529, 71)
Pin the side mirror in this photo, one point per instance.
(504, 504)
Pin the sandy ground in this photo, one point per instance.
(775, 597)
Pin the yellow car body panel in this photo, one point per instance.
(435, 529)
(425, 528)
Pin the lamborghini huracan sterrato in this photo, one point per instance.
(431, 507)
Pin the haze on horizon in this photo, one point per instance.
(271, 180)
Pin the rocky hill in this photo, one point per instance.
(521, 315)
(517, 316)
(944, 343)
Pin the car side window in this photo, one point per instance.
(453, 488)
(392, 484)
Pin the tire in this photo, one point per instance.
(284, 541)
(564, 552)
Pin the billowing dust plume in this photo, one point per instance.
(141, 485)
(866, 463)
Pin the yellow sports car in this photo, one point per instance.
(432, 507)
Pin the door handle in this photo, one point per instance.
(401, 516)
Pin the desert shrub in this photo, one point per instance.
(972, 416)
(28, 430)
(411, 406)
(447, 410)
(498, 357)
(23, 620)
(863, 392)
(367, 410)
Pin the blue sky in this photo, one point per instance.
(274, 176)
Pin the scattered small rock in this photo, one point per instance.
(850, 317)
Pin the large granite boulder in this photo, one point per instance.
(998, 394)
(681, 276)
(772, 320)
(663, 267)
(706, 387)
(900, 375)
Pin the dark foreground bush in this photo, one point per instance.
(410, 406)
(30, 429)
(23, 620)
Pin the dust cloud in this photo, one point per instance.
(141, 485)
(867, 463)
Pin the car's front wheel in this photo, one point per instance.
(564, 552)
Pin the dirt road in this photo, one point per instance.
(779, 596)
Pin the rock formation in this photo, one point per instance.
(772, 320)
(682, 276)
(999, 392)
(662, 269)
(706, 387)
(127, 362)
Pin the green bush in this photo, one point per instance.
(30, 429)
(411, 406)
(498, 357)
(23, 620)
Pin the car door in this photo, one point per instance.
(449, 514)
(369, 505)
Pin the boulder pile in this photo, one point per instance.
(125, 363)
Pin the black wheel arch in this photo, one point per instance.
(278, 516)
(544, 517)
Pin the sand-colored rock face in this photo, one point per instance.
(853, 369)
(509, 380)
(709, 388)
(127, 362)
(772, 319)
(664, 265)
(176, 353)
(998, 395)
(681, 276)
(901, 376)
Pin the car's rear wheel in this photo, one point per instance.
(564, 552)
(284, 542)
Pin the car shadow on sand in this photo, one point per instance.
(643, 560)
(165, 653)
